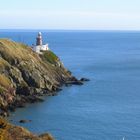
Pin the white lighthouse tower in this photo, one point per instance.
(39, 39)
(39, 47)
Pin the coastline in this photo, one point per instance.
(25, 77)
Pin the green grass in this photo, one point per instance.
(50, 57)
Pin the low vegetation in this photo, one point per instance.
(50, 57)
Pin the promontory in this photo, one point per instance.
(25, 76)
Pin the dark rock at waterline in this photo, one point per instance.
(74, 81)
(77, 82)
(33, 99)
(84, 79)
(24, 121)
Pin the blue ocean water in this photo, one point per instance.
(107, 107)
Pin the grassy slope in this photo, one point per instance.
(11, 52)
(50, 57)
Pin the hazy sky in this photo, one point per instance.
(70, 14)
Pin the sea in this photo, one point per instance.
(105, 108)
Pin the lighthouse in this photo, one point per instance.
(39, 47)
(39, 39)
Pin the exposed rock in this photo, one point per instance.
(84, 79)
(46, 136)
(74, 83)
(24, 121)
(11, 132)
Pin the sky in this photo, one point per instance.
(70, 14)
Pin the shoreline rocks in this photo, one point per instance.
(84, 79)
(74, 83)
(24, 121)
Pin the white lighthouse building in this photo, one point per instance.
(39, 47)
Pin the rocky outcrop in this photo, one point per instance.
(25, 75)
(12, 132)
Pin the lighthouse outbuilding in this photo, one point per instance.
(39, 47)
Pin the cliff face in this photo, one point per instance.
(25, 75)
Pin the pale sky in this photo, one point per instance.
(70, 14)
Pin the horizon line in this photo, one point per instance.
(35, 29)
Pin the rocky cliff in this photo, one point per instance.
(26, 75)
